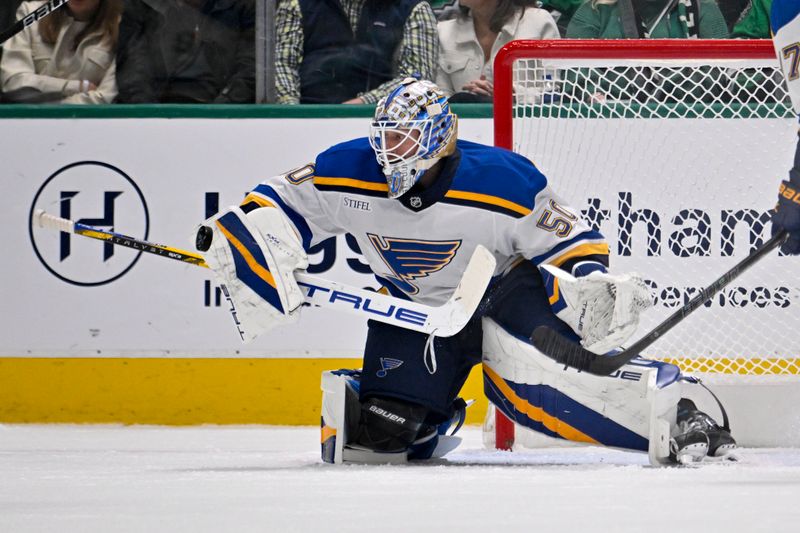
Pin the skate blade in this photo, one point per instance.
(724, 450)
(696, 461)
(725, 454)
(692, 455)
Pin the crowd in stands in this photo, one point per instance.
(326, 51)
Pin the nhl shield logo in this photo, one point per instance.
(387, 363)
(416, 202)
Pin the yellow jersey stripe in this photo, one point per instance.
(537, 413)
(352, 183)
(259, 270)
(488, 199)
(580, 251)
(261, 201)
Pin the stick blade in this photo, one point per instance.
(562, 350)
(572, 354)
(469, 293)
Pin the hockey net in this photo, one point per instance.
(673, 150)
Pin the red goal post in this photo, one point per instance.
(647, 138)
(582, 49)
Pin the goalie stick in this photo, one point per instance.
(41, 12)
(576, 356)
(445, 320)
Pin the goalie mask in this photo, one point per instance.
(412, 129)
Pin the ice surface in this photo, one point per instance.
(202, 479)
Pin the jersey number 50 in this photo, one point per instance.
(557, 219)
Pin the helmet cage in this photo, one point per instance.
(413, 128)
(407, 141)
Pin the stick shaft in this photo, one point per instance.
(573, 354)
(446, 320)
(706, 294)
(47, 220)
(33, 17)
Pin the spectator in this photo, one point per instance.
(756, 85)
(562, 11)
(654, 19)
(187, 51)
(470, 42)
(444, 9)
(67, 57)
(351, 51)
(732, 10)
(7, 11)
(754, 21)
(657, 19)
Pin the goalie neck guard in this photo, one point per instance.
(413, 128)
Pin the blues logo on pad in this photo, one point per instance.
(387, 363)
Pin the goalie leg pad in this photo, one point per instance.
(634, 408)
(339, 392)
(380, 430)
(341, 414)
(387, 425)
(437, 440)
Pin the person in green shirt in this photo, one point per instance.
(754, 21)
(754, 24)
(655, 19)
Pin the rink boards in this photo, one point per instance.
(93, 334)
(97, 334)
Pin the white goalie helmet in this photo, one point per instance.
(412, 129)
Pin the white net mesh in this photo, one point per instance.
(676, 162)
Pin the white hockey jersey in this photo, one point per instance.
(785, 22)
(419, 245)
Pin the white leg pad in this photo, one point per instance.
(634, 408)
(333, 416)
(339, 396)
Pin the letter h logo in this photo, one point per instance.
(107, 221)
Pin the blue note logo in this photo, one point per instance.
(409, 259)
(387, 363)
(96, 194)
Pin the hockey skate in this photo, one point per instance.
(697, 437)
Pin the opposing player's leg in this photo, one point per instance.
(787, 212)
(404, 403)
(785, 25)
(634, 408)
